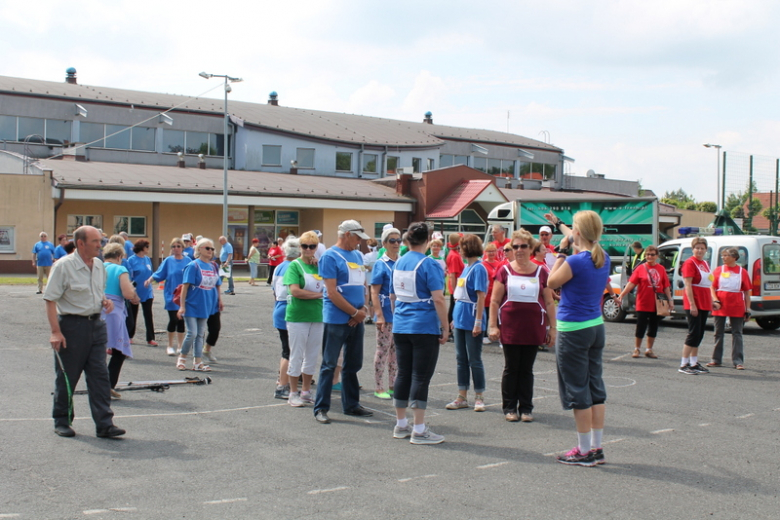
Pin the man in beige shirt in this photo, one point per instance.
(74, 297)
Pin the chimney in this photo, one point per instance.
(70, 76)
(428, 118)
(201, 162)
(273, 99)
(403, 183)
(293, 167)
(180, 160)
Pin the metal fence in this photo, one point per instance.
(752, 178)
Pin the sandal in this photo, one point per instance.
(740, 367)
(201, 367)
(714, 364)
(649, 353)
(180, 363)
(636, 353)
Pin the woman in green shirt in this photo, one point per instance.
(304, 319)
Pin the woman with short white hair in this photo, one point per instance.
(291, 249)
(381, 279)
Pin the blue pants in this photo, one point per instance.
(468, 351)
(196, 331)
(334, 337)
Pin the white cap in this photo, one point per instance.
(387, 226)
(436, 235)
(187, 236)
(353, 227)
(545, 228)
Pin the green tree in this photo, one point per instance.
(734, 200)
(709, 207)
(678, 198)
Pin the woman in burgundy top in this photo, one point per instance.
(522, 314)
(275, 257)
(697, 302)
(649, 278)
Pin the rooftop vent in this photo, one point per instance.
(70, 76)
(428, 118)
(273, 98)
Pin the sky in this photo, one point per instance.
(628, 89)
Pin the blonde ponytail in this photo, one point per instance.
(597, 255)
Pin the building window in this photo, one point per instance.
(173, 140)
(268, 225)
(92, 134)
(468, 221)
(343, 161)
(143, 139)
(117, 137)
(133, 226)
(7, 128)
(417, 164)
(378, 229)
(392, 164)
(538, 171)
(272, 155)
(429, 165)
(76, 221)
(498, 167)
(30, 126)
(452, 160)
(305, 157)
(58, 132)
(51, 131)
(7, 239)
(196, 143)
(369, 162)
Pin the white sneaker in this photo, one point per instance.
(426, 437)
(171, 351)
(211, 357)
(403, 433)
(295, 400)
(486, 341)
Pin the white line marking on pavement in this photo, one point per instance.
(415, 478)
(746, 416)
(319, 491)
(10, 515)
(663, 431)
(613, 441)
(494, 465)
(631, 382)
(252, 330)
(110, 509)
(704, 424)
(204, 412)
(620, 357)
(554, 453)
(442, 384)
(776, 410)
(95, 511)
(225, 501)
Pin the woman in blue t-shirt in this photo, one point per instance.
(381, 279)
(200, 298)
(581, 278)
(419, 328)
(468, 323)
(291, 248)
(171, 271)
(140, 267)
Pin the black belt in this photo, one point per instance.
(91, 317)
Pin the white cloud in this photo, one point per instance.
(428, 90)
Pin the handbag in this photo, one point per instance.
(662, 303)
(177, 295)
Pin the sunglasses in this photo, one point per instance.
(544, 234)
(394, 240)
(208, 248)
(308, 246)
(508, 250)
(519, 246)
(176, 245)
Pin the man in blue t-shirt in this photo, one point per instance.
(226, 257)
(343, 314)
(43, 258)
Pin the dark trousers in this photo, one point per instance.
(148, 319)
(517, 381)
(85, 352)
(115, 366)
(334, 337)
(285, 337)
(646, 321)
(416, 355)
(174, 323)
(737, 348)
(451, 309)
(271, 269)
(214, 325)
(696, 325)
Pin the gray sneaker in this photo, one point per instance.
(426, 437)
(211, 357)
(307, 398)
(282, 392)
(402, 433)
(295, 400)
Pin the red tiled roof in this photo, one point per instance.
(463, 195)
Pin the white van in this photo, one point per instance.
(760, 255)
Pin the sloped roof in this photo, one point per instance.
(347, 128)
(461, 197)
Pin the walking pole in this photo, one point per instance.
(70, 390)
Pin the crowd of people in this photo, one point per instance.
(516, 290)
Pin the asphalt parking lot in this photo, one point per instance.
(677, 446)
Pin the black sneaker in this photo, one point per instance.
(699, 369)
(576, 458)
(598, 456)
(686, 369)
(282, 392)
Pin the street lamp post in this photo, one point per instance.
(718, 198)
(225, 148)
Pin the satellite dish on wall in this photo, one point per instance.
(591, 173)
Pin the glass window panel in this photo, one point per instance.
(392, 164)
(284, 232)
(58, 132)
(272, 155)
(197, 142)
(508, 167)
(549, 171)
(470, 216)
(121, 140)
(461, 159)
(143, 138)
(417, 164)
(446, 160)
(771, 258)
(369, 162)
(743, 256)
(287, 218)
(343, 162)
(379, 228)
(173, 141)
(8, 128)
(121, 224)
(429, 165)
(480, 163)
(137, 226)
(30, 126)
(217, 145)
(494, 166)
(305, 157)
(525, 168)
(92, 134)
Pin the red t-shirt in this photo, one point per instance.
(492, 267)
(455, 267)
(731, 303)
(500, 246)
(692, 268)
(645, 295)
(522, 323)
(275, 251)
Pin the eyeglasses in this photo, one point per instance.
(308, 246)
(519, 246)
(208, 248)
(508, 250)
(544, 234)
(394, 240)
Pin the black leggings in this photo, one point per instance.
(174, 323)
(115, 366)
(517, 381)
(148, 319)
(284, 336)
(271, 269)
(451, 309)
(213, 325)
(646, 321)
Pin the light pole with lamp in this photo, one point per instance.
(225, 147)
(718, 201)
